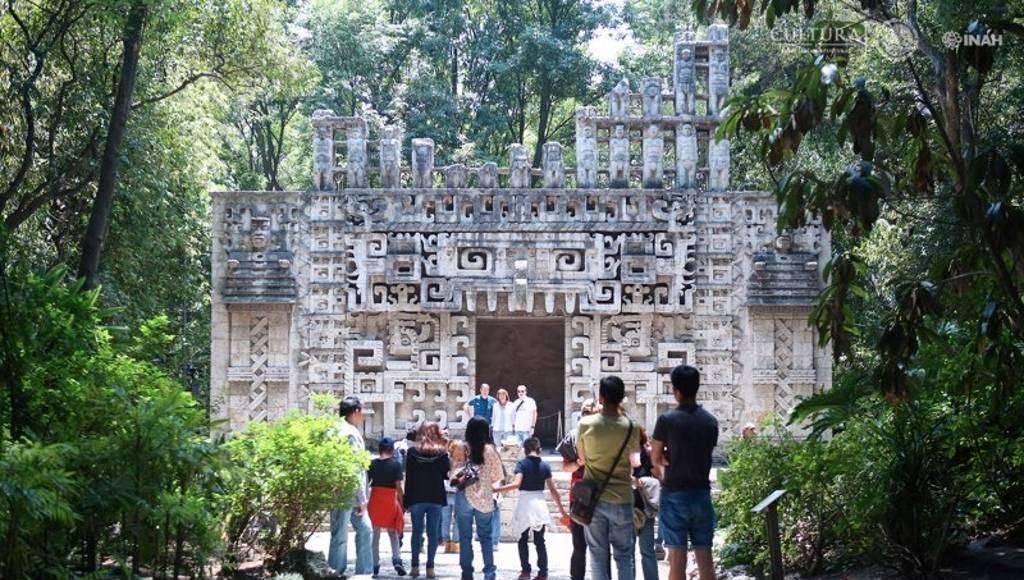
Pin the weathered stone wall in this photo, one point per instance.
(372, 283)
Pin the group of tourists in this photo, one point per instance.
(622, 481)
(507, 418)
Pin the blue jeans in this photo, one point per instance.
(611, 532)
(522, 436)
(496, 526)
(467, 516)
(648, 561)
(429, 513)
(449, 529)
(337, 552)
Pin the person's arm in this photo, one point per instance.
(533, 426)
(400, 489)
(466, 410)
(516, 482)
(553, 489)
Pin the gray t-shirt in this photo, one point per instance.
(690, 434)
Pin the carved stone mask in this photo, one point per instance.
(259, 233)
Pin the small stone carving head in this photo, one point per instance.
(652, 87)
(784, 242)
(620, 132)
(622, 87)
(519, 157)
(685, 54)
(688, 130)
(652, 132)
(552, 152)
(718, 32)
(259, 232)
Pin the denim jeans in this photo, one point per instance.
(522, 436)
(430, 515)
(337, 552)
(467, 517)
(648, 561)
(611, 532)
(496, 526)
(449, 529)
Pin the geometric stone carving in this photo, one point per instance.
(376, 289)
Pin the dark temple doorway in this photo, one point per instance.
(531, 352)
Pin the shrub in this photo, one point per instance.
(288, 474)
(825, 515)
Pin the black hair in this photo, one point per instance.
(412, 435)
(686, 380)
(478, 435)
(349, 405)
(386, 447)
(612, 390)
(531, 445)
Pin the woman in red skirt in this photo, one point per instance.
(385, 477)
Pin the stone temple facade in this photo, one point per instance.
(630, 255)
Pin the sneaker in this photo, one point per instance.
(399, 570)
(376, 571)
(524, 575)
(415, 572)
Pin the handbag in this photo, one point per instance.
(466, 476)
(586, 493)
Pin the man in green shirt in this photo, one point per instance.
(598, 442)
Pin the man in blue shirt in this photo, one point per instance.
(480, 405)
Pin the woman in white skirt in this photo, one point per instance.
(532, 475)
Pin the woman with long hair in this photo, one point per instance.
(477, 479)
(426, 468)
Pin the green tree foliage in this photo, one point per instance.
(289, 472)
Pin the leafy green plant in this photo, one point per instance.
(289, 473)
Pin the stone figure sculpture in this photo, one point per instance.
(487, 175)
(423, 163)
(654, 155)
(618, 169)
(357, 163)
(718, 68)
(456, 176)
(390, 157)
(323, 152)
(586, 148)
(554, 170)
(618, 100)
(651, 97)
(686, 157)
(686, 75)
(718, 165)
(519, 167)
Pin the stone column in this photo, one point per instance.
(686, 157)
(618, 170)
(718, 164)
(390, 157)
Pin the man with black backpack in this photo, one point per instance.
(609, 448)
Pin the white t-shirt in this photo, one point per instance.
(501, 417)
(523, 409)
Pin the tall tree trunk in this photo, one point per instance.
(99, 219)
(544, 119)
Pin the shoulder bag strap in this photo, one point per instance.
(611, 471)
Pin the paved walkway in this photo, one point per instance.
(506, 558)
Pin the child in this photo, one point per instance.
(385, 507)
(449, 527)
(531, 477)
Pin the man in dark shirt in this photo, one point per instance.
(681, 453)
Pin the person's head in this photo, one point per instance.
(411, 435)
(478, 435)
(351, 409)
(521, 391)
(685, 382)
(502, 396)
(749, 431)
(589, 407)
(531, 446)
(611, 391)
(485, 390)
(457, 451)
(429, 439)
(386, 447)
